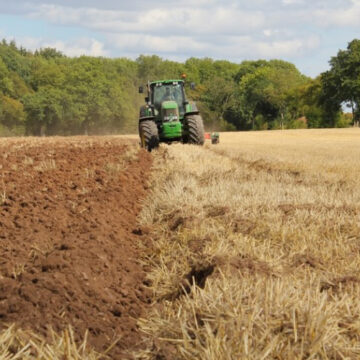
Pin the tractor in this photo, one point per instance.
(168, 116)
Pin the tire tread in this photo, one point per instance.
(196, 130)
(151, 134)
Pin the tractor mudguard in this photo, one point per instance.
(146, 113)
(192, 113)
(147, 118)
(191, 109)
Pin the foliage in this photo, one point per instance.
(342, 82)
(46, 92)
(12, 114)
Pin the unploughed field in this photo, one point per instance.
(249, 249)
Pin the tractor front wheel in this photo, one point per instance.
(149, 135)
(195, 128)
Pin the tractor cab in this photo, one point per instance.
(164, 92)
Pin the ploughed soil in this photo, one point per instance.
(68, 252)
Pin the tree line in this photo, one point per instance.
(46, 92)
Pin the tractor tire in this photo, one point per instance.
(149, 135)
(195, 127)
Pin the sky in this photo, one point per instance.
(306, 33)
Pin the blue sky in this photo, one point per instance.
(306, 33)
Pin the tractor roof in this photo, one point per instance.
(165, 81)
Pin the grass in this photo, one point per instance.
(18, 270)
(28, 160)
(19, 344)
(114, 168)
(130, 155)
(3, 196)
(46, 165)
(257, 248)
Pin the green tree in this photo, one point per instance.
(12, 116)
(263, 93)
(45, 111)
(218, 97)
(54, 94)
(49, 53)
(341, 84)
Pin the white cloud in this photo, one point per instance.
(217, 30)
(167, 20)
(292, 2)
(90, 47)
(339, 17)
(287, 48)
(76, 47)
(178, 29)
(234, 47)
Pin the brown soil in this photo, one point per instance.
(68, 253)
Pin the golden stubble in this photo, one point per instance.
(257, 247)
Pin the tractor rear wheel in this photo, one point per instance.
(195, 127)
(149, 135)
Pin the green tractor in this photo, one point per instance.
(168, 116)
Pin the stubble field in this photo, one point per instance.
(249, 249)
(257, 248)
